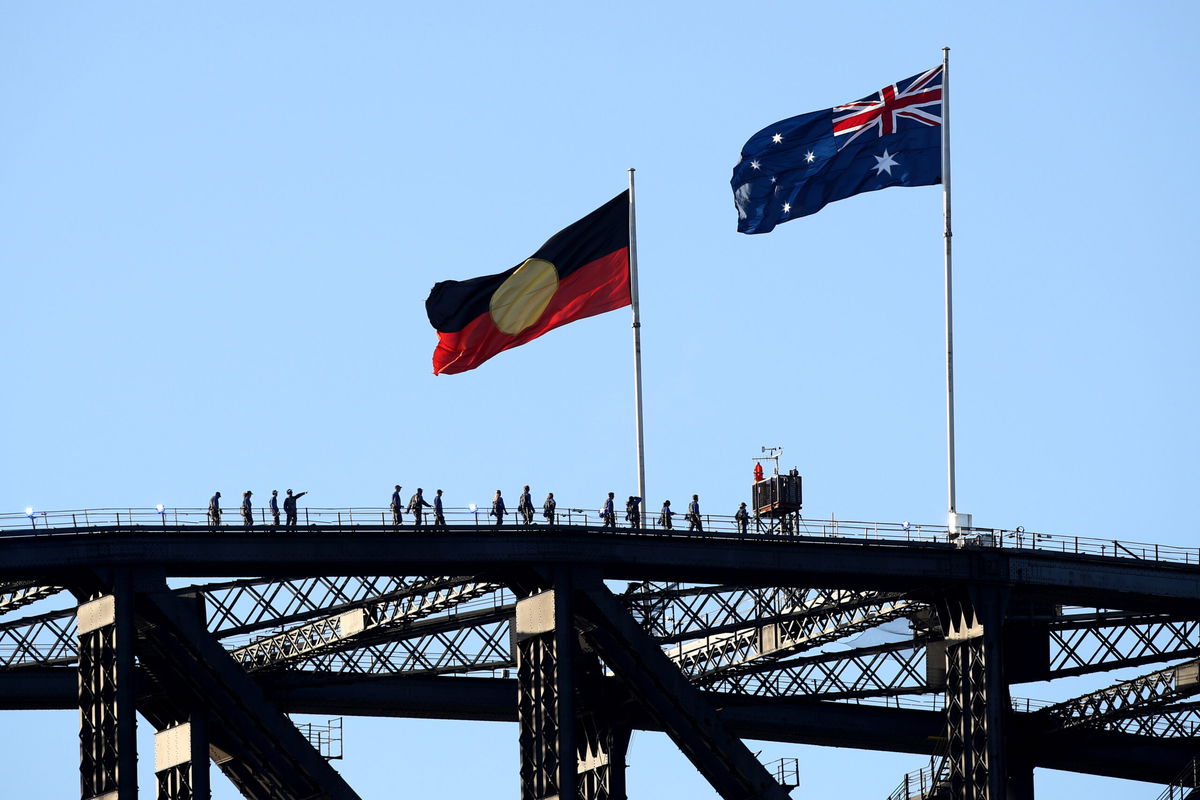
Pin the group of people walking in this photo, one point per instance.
(608, 516)
(417, 504)
(524, 507)
(247, 508)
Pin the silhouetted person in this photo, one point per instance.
(214, 510)
(633, 512)
(548, 508)
(693, 515)
(397, 507)
(289, 508)
(439, 519)
(608, 515)
(525, 506)
(274, 504)
(742, 518)
(664, 516)
(498, 508)
(416, 504)
(247, 510)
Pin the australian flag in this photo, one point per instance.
(797, 166)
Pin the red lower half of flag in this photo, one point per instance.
(594, 288)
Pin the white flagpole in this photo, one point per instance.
(637, 345)
(948, 235)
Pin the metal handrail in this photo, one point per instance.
(714, 526)
(920, 784)
(1185, 783)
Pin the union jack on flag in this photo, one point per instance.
(918, 99)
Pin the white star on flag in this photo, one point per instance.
(885, 163)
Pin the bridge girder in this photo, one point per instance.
(886, 728)
(762, 639)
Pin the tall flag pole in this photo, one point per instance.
(899, 136)
(637, 343)
(948, 235)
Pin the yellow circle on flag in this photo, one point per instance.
(524, 295)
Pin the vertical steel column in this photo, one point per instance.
(602, 748)
(572, 745)
(107, 716)
(977, 699)
(545, 642)
(181, 761)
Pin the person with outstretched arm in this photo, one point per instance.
(415, 507)
(289, 509)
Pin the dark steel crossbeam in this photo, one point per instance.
(17, 596)
(254, 744)
(1100, 641)
(674, 613)
(799, 721)
(877, 565)
(724, 630)
(1133, 698)
(368, 622)
(724, 654)
(40, 640)
(469, 642)
(1108, 753)
(668, 696)
(884, 670)
(237, 608)
(451, 643)
(1175, 721)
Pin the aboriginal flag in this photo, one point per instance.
(583, 270)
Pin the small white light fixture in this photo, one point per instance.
(473, 508)
(159, 508)
(29, 511)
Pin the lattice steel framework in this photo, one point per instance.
(569, 641)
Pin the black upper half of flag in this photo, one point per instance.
(453, 304)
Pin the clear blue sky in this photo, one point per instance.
(220, 223)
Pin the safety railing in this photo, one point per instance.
(34, 522)
(937, 702)
(926, 783)
(326, 739)
(1184, 785)
(785, 771)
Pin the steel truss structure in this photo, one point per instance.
(880, 645)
